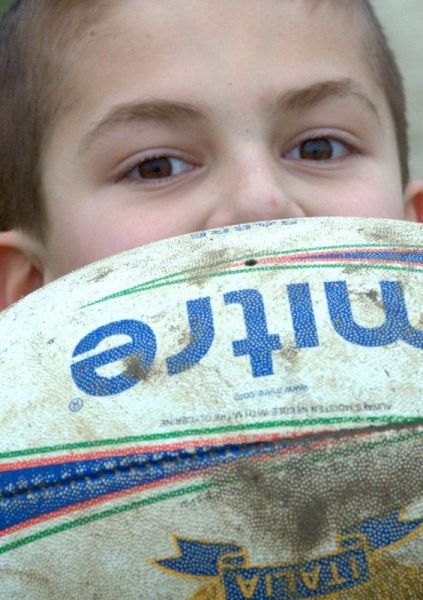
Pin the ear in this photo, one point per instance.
(20, 266)
(414, 201)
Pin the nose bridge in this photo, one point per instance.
(254, 189)
(258, 181)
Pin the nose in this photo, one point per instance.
(253, 191)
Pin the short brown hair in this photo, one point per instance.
(35, 39)
(388, 75)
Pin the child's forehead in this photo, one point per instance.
(159, 33)
(248, 16)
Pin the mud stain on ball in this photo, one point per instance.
(135, 368)
(300, 505)
(29, 579)
(100, 274)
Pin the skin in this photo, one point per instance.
(242, 157)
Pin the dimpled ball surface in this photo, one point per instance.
(232, 414)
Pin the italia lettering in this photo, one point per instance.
(336, 579)
(254, 343)
(311, 578)
(330, 574)
(247, 586)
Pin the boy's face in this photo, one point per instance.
(193, 115)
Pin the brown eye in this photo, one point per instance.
(317, 149)
(155, 168)
(159, 168)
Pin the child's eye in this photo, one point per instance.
(319, 149)
(159, 167)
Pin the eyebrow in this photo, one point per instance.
(179, 113)
(312, 95)
(159, 111)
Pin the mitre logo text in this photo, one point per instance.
(255, 341)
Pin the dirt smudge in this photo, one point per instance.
(303, 504)
(101, 273)
(290, 354)
(375, 298)
(212, 261)
(34, 578)
(135, 368)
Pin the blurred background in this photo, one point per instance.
(403, 21)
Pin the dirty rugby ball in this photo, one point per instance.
(229, 414)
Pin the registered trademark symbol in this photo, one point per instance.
(76, 404)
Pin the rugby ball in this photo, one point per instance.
(231, 414)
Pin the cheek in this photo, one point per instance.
(76, 242)
(385, 204)
(364, 199)
(109, 237)
(93, 237)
